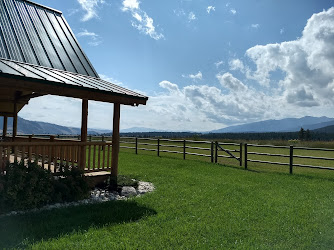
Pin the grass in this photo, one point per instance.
(196, 205)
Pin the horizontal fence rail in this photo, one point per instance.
(290, 154)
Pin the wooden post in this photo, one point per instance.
(84, 126)
(212, 151)
(291, 158)
(240, 157)
(158, 147)
(136, 145)
(15, 121)
(184, 149)
(245, 155)
(4, 130)
(216, 152)
(115, 141)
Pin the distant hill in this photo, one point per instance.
(327, 129)
(33, 127)
(283, 125)
(138, 130)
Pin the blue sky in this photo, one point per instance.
(205, 64)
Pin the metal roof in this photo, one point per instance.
(35, 34)
(55, 77)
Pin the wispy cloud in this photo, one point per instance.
(192, 16)
(94, 39)
(210, 8)
(255, 25)
(218, 64)
(90, 6)
(233, 11)
(141, 21)
(281, 31)
(194, 77)
(110, 79)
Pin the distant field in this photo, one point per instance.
(196, 205)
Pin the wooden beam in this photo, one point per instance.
(30, 96)
(61, 89)
(7, 114)
(115, 140)
(84, 126)
(4, 130)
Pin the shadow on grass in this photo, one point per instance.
(21, 230)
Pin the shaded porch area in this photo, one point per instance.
(19, 82)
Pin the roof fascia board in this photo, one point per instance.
(61, 89)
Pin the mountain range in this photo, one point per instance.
(32, 127)
(318, 124)
(283, 125)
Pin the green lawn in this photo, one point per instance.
(196, 205)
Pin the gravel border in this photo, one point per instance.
(97, 195)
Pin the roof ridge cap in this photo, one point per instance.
(43, 6)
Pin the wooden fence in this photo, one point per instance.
(241, 154)
(236, 151)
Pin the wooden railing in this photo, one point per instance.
(95, 156)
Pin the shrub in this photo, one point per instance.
(71, 185)
(30, 186)
(24, 187)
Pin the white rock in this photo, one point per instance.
(128, 191)
(145, 187)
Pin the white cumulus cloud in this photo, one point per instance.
(306, 63)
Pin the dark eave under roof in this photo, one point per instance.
(43, 80)
(33, 33)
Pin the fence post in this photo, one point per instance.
(158, 147)
(245, 155)
(136, 145)
(240, 158)
(102, 138)
(291, 158)
(216, 152)
(212, 152)
(90, 138)
(184, 149)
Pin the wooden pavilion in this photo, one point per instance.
(39, 55)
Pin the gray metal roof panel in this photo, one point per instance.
(34, 72)
(32, 33)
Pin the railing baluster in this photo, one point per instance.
(108, 159)
(94, 156)
(68, 156)
(61, 155)
(49, 158)
(2, 168)
(89, 152)
(104, 155)
(99, 156)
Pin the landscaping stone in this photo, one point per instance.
(145, 187)
(128, 191)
